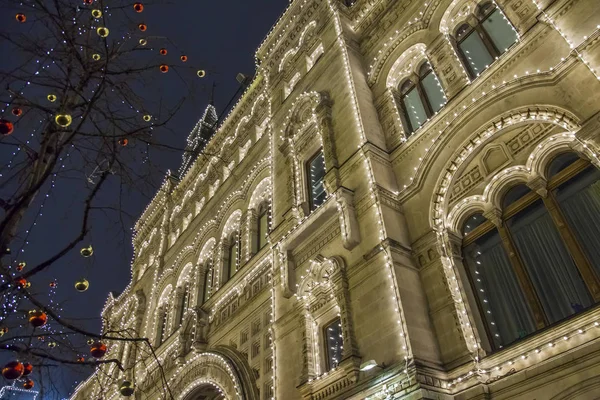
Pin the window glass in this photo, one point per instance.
(561, 162)
(333, 343)
(472, 222)
(500, 31)
(433, 90)
(555, 277)
(263, 229)
(500, 296)
(415, 110)
(475, 52)
(184, 303)
(162, 325)
(316, 172)
(234, 250)
(515, 194)
(579, 200)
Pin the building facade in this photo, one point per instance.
(404, 204)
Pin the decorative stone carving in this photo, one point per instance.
(347, 216)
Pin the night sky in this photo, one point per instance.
(219, 36)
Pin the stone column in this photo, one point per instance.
(448, 68)
(308, 360)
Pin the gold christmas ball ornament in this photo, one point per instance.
(3, 331)
(127, 388)
(147, 117)
(82, 285)
(201, 73)
(63, 120)
(51, 98)
(21, 17)
(96, 57)
(52, 345)
(143, 42)
(87, 251)
(96, 14)
(102, 31)
(90, 342)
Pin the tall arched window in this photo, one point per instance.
(421, 96)
(488, 37)
(541, 264)
(315, 171)
(162, 321)
(184, 301)
(233, 256)
(262, 225)
(208, 280)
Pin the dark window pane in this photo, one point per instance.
(561, 162)
(316, 172)
(472, 222)
(433, 90)
(555, 277)
(263, 230)
(579, 200)
(500, 31)
(234, 250)
(514, 194)
(415, 110)
(476, 54)
(333, 343)
(501, 298)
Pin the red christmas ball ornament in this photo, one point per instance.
(163, 52)
(27, 369)
(21, 17)
(21, 283)
(53, 284)
(183, 58)
(98, 350)
(80, 359)
(28, 384)
(16, 111)
(123, 142)
(138, 7)
(6, 127)
(88, 2)
(37, 318)
(142, 27)
(13, 370)
(164, 68)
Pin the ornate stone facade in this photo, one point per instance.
(383, 252)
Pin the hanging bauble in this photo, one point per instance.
(52, 284)
(21, 17)
(13, 370)
(126, 388)
(143, 42)
(98, 350)
(163, 52)
(142, 27)
(16, 111)
(51, 98)
(63, 120)
(147, 117)
(96, 14)
(28, 384)
(21, 283)
(183, 58)
(87, 251)
(21, 265)
(201, 73)
(80, 359)
(37, 318)
(90, 342)
(27, 369)
(3, 331)
(123, 142)
(164, 68)
(82, 285)
(95, 56)
(102, 31)
(6, 127)
(138, 7)
(52, 345)
(88, 2)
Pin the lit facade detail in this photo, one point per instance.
(412, 185)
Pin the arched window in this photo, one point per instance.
(487, 38)
(233, 256)
(334, 344)
(315, 171)
(184, 301)
(163, 320)
(541, 263)
(208, 280)
(421, 97)
(262, 225)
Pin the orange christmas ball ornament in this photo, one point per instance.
(13, 370)
(3, 331)
(98, 350)
(53, 284)
(142, 27)
(80, 359)
(138, 7)
(163, 52)
(183, 58)
(123, 142)
(16, 111)
(6, 127)
(21, 283)
(27, 369)
(37, 318)
(164, 68)
(21, 17)
(28, 384)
